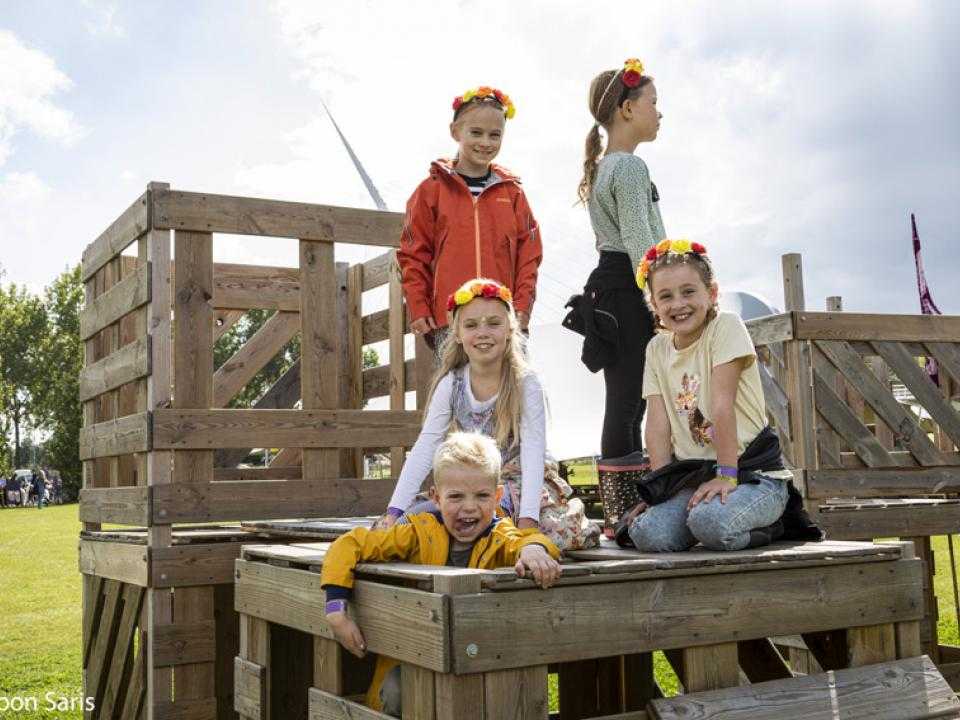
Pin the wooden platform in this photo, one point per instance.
(855, 604)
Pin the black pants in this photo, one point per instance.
(624, 407)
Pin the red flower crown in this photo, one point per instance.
(483, 92)
(479, 288)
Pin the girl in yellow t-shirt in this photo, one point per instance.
(706, 424)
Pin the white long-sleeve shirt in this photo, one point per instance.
(436, 424)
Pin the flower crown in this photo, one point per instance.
(665, 247)
(632, 72)
(479, 288)
(484, 91)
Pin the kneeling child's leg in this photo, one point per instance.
(727, 526)
(663, 527)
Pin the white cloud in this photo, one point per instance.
(104, 22)
(28, 83)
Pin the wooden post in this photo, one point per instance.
(397, 359)
(828, 441)
(928, 626)
(870, 645)
(319, 355)
(710, 667)
(799, 381)
(354, 354)
(255, 649)
(419, 692)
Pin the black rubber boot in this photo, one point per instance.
(765, 535)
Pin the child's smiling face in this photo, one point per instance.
(479, 132)
(483, 327)
(467, 498)
(682, 301)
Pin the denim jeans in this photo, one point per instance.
(669, 527)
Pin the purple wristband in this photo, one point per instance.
(333, 606)
(394, 511)
(729, 471)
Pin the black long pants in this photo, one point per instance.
(624, 405)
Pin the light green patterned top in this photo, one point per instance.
(622, 211)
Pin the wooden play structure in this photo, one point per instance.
(188, 614)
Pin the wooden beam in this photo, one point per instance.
(398, 385)
(892, 328)
(353, 355)
(187, 565)
(798, 372)
(882, 482)
(866, 523)
(124, 505)
(184, 502)
(123, 562)
(112, 241)
(203, 212)
(249, 688)
(243, 287)
(224, 320)
(185, 643)
(771, 328)
(376, 381)
(328, 706)
(710, 667)
(123, 298)
(121, 436)
(838, 416)
(231, 377)
(376, 271)
(204, 429)
(127, 364)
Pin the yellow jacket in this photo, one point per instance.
(424, 541)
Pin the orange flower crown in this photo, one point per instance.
(632, 72)
(484, 91)
(665, 247)
(479, 288)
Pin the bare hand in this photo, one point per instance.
(421, 326)
(528, 523)
(384, 522)
(537, 561)
(711, 489)
(523, 319)
(633, 513)
(347, 633)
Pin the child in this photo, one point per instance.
(462, 532)
(706, 408)
(468, 219)
(622, 202)
(484, 385)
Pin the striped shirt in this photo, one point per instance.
(477, 185)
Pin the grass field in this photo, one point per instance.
(40, 610)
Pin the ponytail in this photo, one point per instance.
(592, 150)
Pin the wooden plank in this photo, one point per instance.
(460, 696)
(201, 709)
(646, 612)
(193, 606)
(158, 612)
(129, 363)
(918, 382)
(255, 647)
(908, 639)
(123, 650)
(177, 210)
(849, 363)
(376, 326)
(871, 644)
(882, 482)
(890, 521)
(353, 359)
(777, 402)
(117, 561)
(116, 437)
(327, 706)
(947, 355)
(224, 320)
(397, 375)
(771, 328)
(418, 693)
(839, 416)
(207, 502)
(136, 690)
(114, 240)
(184, 643)
(405, 624)
(888, 691)
(103, 645)
(231, 377)
(246, 293)
(249, 688)
(92, 608)
(193, 346)
(761, 661)
(181, 429)
(798, 372)
(859, 326)
(376, 381)
(282, 471)
(328, 665)
(124, 505)
(123, 298)
(376, 271)
(319, 348)
(516, 694)
(710, 667)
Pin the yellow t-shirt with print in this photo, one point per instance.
(682, 379)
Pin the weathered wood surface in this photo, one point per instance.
(376, 381)
(243, 287)
(249, 688)
(117, 561)
(182, 535)
(865, 519)
(889, 691)
(765, 604)
(129, 363)
(882, 482)
(121, 436)
(132, 223)
(124, 297)
(184, 429)
(376, 271)
(771, 328)
(208, 502)
(858, 326)
(129, 506)
(327, 706)
(231, 377)
(176, 210)
(409, 625)
(310, 528)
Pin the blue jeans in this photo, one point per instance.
(669, 527)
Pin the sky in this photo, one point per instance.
(810, 127)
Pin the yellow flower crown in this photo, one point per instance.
(479, 288)
(483, 92)
(664, 247)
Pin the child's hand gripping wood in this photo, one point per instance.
(537, 561)
(347, 633)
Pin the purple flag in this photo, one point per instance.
(927, 305)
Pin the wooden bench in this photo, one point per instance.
(713, 613)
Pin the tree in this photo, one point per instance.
(23, 327)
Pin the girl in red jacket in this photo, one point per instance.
(468, 219)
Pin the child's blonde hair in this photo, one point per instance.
(700, 263)
(467, 449)
(510, 398)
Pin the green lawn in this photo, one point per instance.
(40, 598)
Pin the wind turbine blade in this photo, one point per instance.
(371, 188)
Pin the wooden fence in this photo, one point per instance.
(160, 446)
